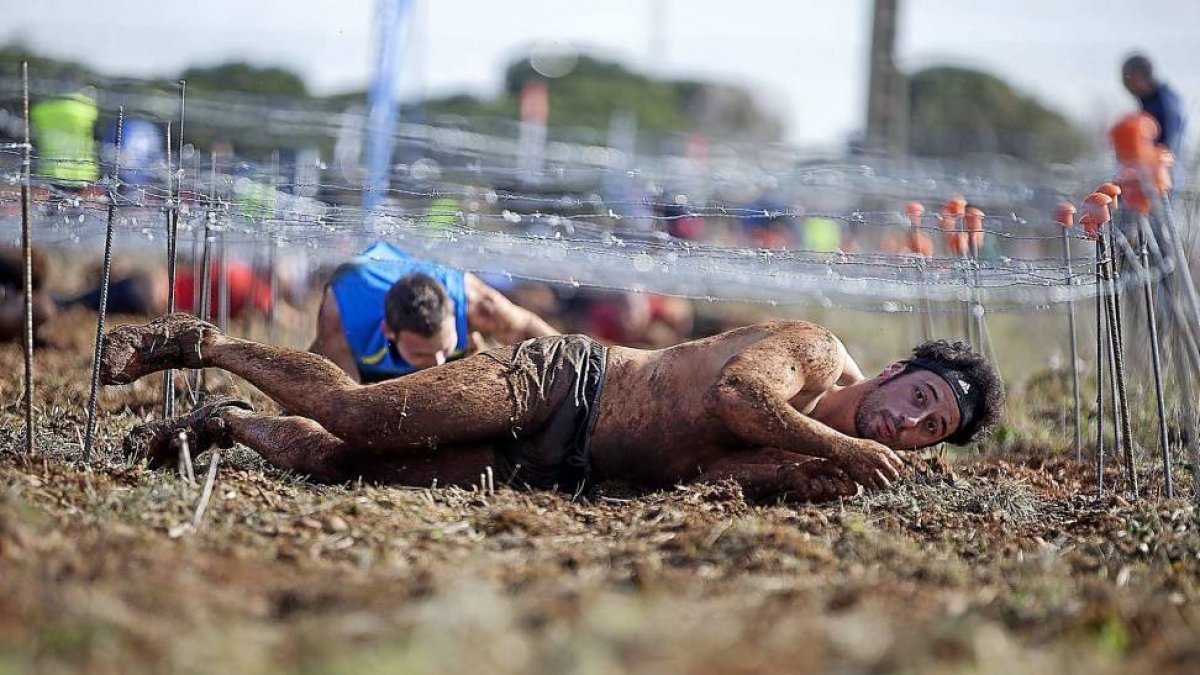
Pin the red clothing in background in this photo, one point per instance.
(246, 289)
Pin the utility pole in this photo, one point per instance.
(657, 48)
(887, 99)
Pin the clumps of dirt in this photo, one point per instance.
(1005, 500)
(508, 521)
(989, 563)
(1010, 500)
(277, 557)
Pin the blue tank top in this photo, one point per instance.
(360, 288)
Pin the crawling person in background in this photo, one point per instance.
(144, 292)
(387, 314)
(12, 293)
(642, 320)
(780, 408)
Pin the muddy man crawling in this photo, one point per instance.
(780, 408)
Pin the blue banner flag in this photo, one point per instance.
(382, 98)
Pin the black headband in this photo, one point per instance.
(967, 393)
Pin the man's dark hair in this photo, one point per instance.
(985, 393)
(416, 303)
(1139, 65)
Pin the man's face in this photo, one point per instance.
(422, 351)
(913, 410)
(1136, 83)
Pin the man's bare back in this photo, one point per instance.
(779, 407)
(659, 416)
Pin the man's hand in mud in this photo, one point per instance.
(813, 480)
(872, 465)
(768, 475)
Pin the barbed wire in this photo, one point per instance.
(580, 212)
(586, 214)
(594, 253)
(603, 209)
(495, 150)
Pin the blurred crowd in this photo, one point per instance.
(75, 144)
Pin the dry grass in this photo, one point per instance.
(991, 563)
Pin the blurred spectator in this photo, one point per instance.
(769, 223)
(442, 213)
(254, 196)
(145, 293)
(141, 150)
(1161, 102)
(893, 243)
(249, 289)
(640, 320)
(766, 231)
(63, 137)
(822, 234)
(680, 222)
(534, 296)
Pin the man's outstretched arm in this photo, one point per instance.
(490, 312)
(752, 394)
(331, 340)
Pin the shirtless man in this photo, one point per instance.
(780, 407)
(388, 314)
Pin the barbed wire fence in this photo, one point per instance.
(567, 224)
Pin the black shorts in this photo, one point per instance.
(555, 382)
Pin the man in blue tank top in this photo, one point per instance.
(388, 314)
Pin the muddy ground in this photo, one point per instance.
(1000, 561)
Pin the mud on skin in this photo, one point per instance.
(657, 424)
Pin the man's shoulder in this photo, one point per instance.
(797, 326)
(808, 336)
(1166, 97)
(788, 334)
(813, 348)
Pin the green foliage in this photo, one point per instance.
(245, 77)
(596, 89)
(43, 67)
(587, 98)
(956, 110)
(469, 106)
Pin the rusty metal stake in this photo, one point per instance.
(114, 190)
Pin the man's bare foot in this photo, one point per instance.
(170, 341)
(156, 441)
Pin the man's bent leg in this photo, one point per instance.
(293, 444)
(301, 445)
(467, 401)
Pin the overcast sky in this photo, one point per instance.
(807, 59)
